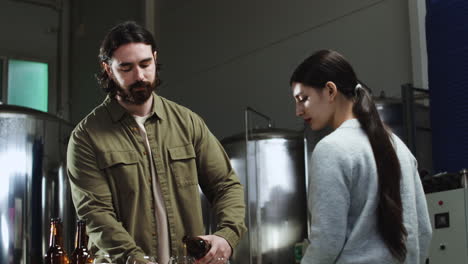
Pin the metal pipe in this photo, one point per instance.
(407, 96)
(247, 185)
(250, 109)
(54, 6)
(255, 249)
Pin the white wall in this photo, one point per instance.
(417, 22)
(220, 56)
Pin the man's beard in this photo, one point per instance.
(134, 94)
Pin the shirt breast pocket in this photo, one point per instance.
(183, 165)
(121, 167)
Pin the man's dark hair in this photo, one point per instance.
(123, 33)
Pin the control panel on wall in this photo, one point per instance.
(447, 210)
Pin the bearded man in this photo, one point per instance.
(136, 163)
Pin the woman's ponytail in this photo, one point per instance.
(389, 209)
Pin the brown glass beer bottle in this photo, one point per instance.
(81, 254)
(196, 246)
(56, 254)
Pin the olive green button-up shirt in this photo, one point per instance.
(111, 182)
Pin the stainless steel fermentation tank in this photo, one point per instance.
(33, 183)
(271, 166)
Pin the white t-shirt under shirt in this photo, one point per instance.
(159, 208)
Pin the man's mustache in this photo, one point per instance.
(139, 84)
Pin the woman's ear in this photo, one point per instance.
(331, 90)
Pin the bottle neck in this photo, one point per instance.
(81, 238)
(56, 238)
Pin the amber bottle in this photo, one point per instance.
(196, 247)
(56, 254)
(81, 254)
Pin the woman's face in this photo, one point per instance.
(313, 105)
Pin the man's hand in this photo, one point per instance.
(219, 253)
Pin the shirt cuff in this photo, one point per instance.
(231, 237)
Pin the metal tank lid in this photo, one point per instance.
(20, 111)
(265, 133)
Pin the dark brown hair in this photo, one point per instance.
(328, 65)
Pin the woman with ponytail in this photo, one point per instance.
(366, 200)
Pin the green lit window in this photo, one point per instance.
(28, 83)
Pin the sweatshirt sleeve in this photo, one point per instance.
(328, 202)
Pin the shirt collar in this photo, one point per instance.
(352, 123)
(117, 111)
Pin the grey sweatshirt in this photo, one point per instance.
(343, 200)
